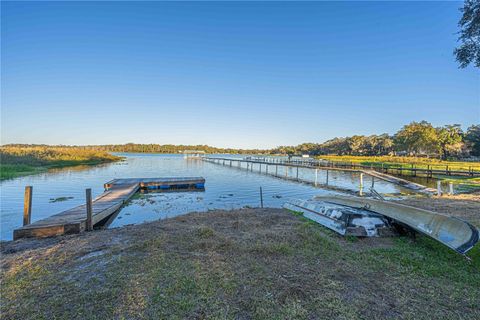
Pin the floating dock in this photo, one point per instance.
(117, 193)
(159, 183)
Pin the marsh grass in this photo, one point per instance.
(21, 161)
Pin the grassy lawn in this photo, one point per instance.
(22, 161)
(244, 264)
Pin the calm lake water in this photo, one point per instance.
(225, 188)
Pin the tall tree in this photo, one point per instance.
(450, 139)
(417, 138)
(384, 145)
(355, 144)
(469, 49)
(472, 138)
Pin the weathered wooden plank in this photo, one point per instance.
(75, 219)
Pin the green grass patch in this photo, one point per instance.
(10, 171)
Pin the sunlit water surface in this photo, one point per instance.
(226, 188)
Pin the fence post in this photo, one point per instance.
(27, 206)
(88, 205)
(439, 188)
(450, 188)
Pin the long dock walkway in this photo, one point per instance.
(314, 165)
(117, 193)
(347, 166)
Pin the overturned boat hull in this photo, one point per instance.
(343, 220)
(456, 234)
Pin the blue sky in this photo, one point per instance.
(228, 74)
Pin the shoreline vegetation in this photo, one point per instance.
(27, 160)
(247, 264)
(415, 144)
(20, 160)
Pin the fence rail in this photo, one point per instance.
(388, 169)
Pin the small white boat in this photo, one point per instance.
(456, 234)
(341, 219)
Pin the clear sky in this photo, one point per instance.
(228, 74)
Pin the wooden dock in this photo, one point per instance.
(117, 193)
(263, 165)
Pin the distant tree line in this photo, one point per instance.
(151, 148)
(413, 139)
(170, 148)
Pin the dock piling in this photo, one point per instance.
(88, 205)
(27, 206)
(261, 197)
(361, 184)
